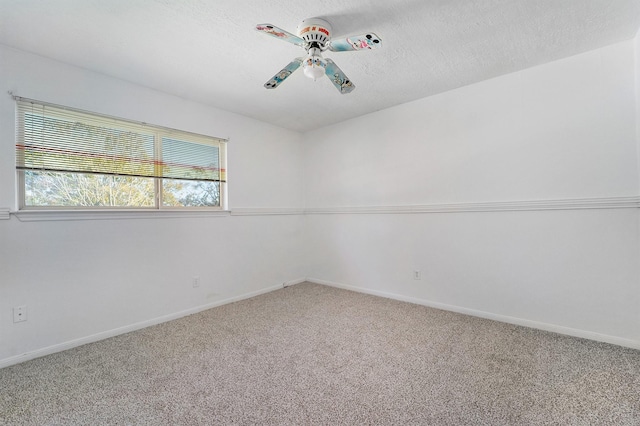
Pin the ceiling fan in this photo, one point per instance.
(314, 36)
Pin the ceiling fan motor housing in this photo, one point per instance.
(316, 32)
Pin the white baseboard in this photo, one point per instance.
(137, 326)
(294, 282)
(634, 344)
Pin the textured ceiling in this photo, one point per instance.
(208, 50)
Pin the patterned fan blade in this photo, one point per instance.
(276, 32)
(362, 42)
(337, 77)
(283, 73)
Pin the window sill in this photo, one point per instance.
(50, 215)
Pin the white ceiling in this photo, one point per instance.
(209, 52)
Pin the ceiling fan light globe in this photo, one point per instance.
(314, 67)
(314, 72)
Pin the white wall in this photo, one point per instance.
(637, 69)
(552, 134)
(85, 279)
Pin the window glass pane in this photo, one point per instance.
(77, 159)
(190, 193)
(58, 189)
(74, 146)
(190, 160)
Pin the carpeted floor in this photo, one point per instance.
(312, 354)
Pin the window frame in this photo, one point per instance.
(159, 132)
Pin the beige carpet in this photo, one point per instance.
(311, 354)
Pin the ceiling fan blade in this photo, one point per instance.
(337, 77)
(284, 73)
(360, 42)
(276, 32)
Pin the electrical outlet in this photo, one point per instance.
(417, 275)
(20, 313)
(196, 282)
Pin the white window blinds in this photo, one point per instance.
(56, 139)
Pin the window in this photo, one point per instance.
(71, 159)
